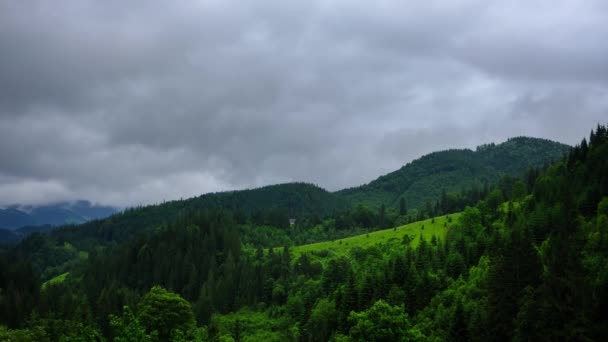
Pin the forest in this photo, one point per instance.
(521, 256)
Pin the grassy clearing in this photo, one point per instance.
(56, 280)
(383, 238)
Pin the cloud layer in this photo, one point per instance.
(135, 102)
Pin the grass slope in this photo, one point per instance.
(388, 238)
(56, 280)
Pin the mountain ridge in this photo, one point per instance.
(487, 163)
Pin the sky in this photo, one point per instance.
(135, 102)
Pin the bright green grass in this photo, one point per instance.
(385, 239)
(56, 280)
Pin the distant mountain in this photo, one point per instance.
(425, 178)
(8, 237)
(16, 216)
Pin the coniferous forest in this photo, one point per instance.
(512, 251)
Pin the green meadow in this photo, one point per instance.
(56, 280)
(388, 238)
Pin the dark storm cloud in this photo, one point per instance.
(140, 101)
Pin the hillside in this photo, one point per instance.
(275, 203)
(425, 179)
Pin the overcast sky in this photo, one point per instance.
(134, 102)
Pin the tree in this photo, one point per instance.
(515, 268)
(518, 191)
(163, 311)
(381, 322)
(458, 326)
(402, 207)
(19, 292)
(23, 335)
(382, 217)
(127, 328)
(494, 200)
(322, 321)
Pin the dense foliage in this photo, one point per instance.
(527, 261)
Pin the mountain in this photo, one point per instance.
(8, 236)
(425, 179)
(11, 218)
(16, 216)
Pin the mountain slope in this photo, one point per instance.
(425, 178)
(11, 218)
(290, 200)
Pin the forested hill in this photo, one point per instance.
(296, 199)
(273, 205)
(454, 170)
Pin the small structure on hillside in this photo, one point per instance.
(292, 222)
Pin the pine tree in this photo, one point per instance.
(459, 330)
(402, 207)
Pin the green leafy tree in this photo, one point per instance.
(23, 335)
(127, 328)
(322, 321)
(163, 312)
(518, 191)
(382, 322)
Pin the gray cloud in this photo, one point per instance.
(129, 103)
